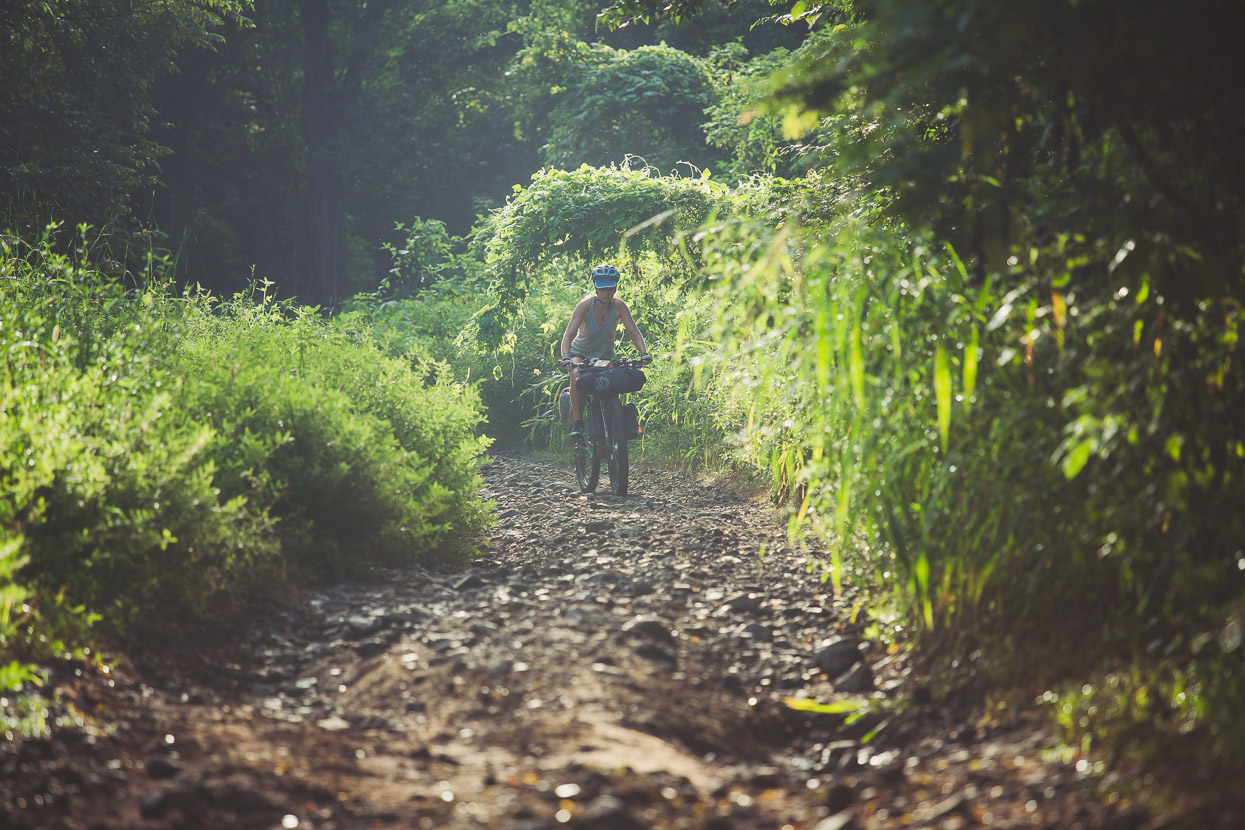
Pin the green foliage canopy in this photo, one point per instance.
(576, 217)
(996, 123)
(646, 102)
(735, 122)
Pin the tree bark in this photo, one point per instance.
(320, 255)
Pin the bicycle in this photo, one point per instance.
(607, 437)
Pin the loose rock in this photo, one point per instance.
(839, 656)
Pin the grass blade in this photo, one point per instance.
(942, 394)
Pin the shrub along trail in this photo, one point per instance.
(608, 664)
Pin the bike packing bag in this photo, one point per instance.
(593, 420)
(564, 406)
(631, 422)
(618, 380)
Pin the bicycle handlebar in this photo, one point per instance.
(600, 364)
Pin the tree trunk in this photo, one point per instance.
(320, 256)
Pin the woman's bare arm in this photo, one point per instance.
(572, 328)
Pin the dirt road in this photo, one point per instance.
(608, 664)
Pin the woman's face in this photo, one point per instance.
(607, 293)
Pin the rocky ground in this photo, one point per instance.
(607, 664)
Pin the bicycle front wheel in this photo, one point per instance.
(616, 439)
(587, 465)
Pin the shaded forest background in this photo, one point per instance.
(960, 280)
(288, 138)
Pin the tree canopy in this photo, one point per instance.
(648, 102)
(76, 108)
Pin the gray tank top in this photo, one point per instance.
(596, 339)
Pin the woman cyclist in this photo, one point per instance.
(590, 333)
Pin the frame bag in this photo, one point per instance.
(593, 419)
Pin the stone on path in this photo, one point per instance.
(839, 656)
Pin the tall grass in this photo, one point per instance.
(1017, 460)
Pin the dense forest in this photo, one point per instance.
(961, 281)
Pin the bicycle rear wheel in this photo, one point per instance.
(616, 440)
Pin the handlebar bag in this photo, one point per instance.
(619, 380)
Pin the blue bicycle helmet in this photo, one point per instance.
(605, 276)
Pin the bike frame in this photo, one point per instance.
(609, 442)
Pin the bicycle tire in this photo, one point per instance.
(587, 466)
(616, 440)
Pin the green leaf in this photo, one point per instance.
(970, 370)
(837, 707)
(856, 366)
(1076, 460)
(942, 393)
(1174, 444)
(921, 576)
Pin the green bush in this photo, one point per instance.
(359, 455)
(425, 331)
(164, 452)
(734, 122)
(556, 228)
(109, 486)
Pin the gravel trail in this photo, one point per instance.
(606, 664)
